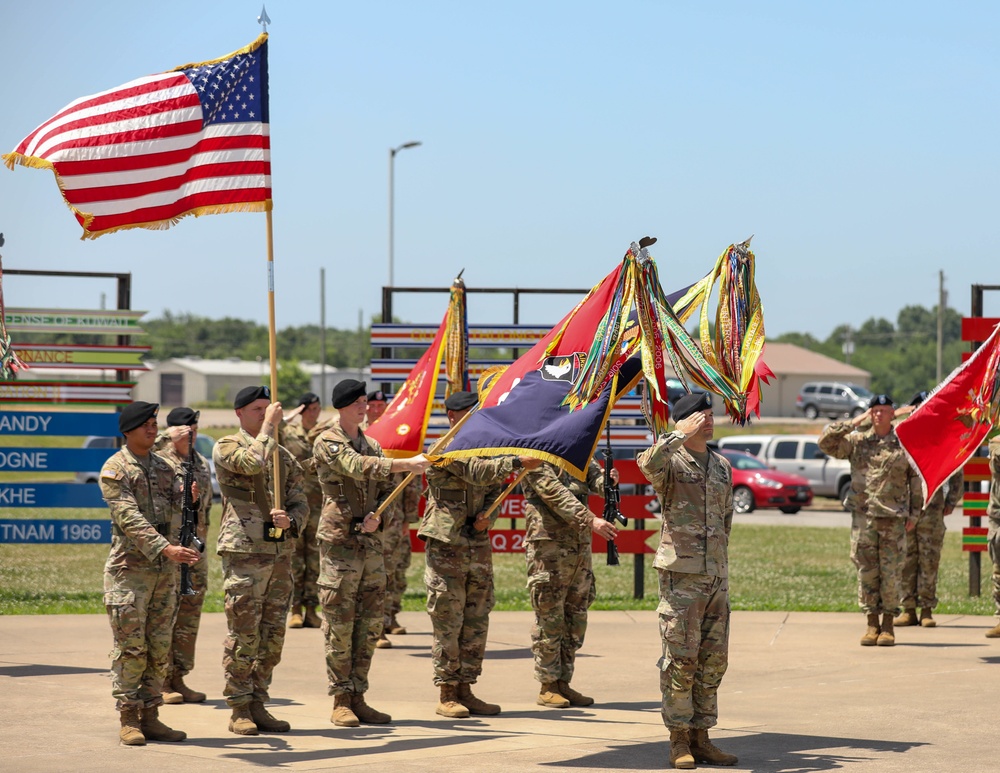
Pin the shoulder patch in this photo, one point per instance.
(334, 446)
(113, 474)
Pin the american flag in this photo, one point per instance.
(192, 141)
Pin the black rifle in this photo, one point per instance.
(612, 500)
(189, 521)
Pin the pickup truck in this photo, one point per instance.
(798, 454)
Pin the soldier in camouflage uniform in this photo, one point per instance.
(140, 576)
(558, 548)
(256, 555)
(305, 552)
(174, 446)
(695, 489)
(356, 478)
(993, 514)
(885, 500)
(459, 571)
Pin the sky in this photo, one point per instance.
(857, 141)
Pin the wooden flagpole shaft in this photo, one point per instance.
(272, 340)
(439, 445)
(506, 493)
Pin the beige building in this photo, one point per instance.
(794, 366)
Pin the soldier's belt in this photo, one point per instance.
(237, 493)
(450, 495)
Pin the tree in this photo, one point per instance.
(293, 382)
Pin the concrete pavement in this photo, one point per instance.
(801, 695)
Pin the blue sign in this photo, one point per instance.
(52, 531)
(54, 459)
(58, 423)
(50, 495)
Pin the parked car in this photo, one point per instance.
(833, 399)
(799, 455)
(755, 485)
(203, 445)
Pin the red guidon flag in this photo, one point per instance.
(401, 429)
(943, 433)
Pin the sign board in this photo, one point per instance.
(480, 336)
(113, 322)
(82, 356)
(53, 459)
(54, 532)
(73, 392)
(58, 423)
(50, 495)
(512, 541)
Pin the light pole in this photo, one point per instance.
(392, 164)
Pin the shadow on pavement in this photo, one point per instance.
(40, 669)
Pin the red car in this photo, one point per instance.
(757, 485)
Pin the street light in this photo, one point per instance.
(392, 163)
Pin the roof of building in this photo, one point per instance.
(790, 359)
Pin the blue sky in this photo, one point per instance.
(858, 141)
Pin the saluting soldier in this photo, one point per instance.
(356, 478)
(256, 555)
(558, 550)
(140, 576)
(459, 573)
(174, 445)
(695, 488)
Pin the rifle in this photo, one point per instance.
(189, 520)
(612, 499)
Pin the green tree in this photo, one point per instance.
(293, 382)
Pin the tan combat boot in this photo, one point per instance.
(871, 635)
(241, 722)
(131, 732)
(703, 750)
(155, 730)
(342, 714)
(551, 697)
(295, 620)
(886, 638)
(927, 618)
(395, 628)
(448, 705)
(474, 704)
(994, 633)
(575, 698)
(312, 618)
(177, 687)
(265, 720)
(383, 643)
(366, 713)
(680, 750)
(909, 617)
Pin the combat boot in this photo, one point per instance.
(871, 635)
(680, 750)
(551, 697)
(295, 620)
(448, 705)
(703, 750)
(909, 617)
(927, 618)
(177, 687)
(342, 714)
(395, 628)
(574, 698)
(131, 732)
(383, 643)
(312, 619)
(265, 720)
(241, 722)
(886, 638)
(474, 704)
(366, 713)
(155, 730)
(994, 633)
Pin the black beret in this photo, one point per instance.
(248, 394)
(347, 391)
(378, 394)
(918, 398)
(135, 415)
(881, 400)
(691, 403)
(308, 399)
(182, 417)
(460, 401)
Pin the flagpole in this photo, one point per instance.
(272, 340)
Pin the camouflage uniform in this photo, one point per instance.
(884, 495)
(693, 566)
(305, 551)
(356, 478)
(923, 547)
(182, 646)
(140, 583)
(398, 551)
(257, 572)
(993, 514)
(459, 573)
(560, 574)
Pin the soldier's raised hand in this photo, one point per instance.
(690, 425)
(272, 416)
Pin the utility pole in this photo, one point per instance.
(848, 347)
(322, 337)
(942, 304)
